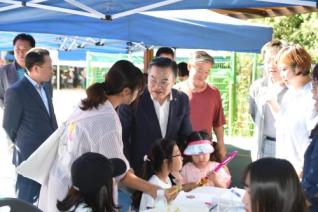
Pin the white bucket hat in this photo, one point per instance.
(199, 147)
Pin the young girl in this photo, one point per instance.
(92, 184)
(163, 159)
(204, 157)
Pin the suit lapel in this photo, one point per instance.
(151, 113)
(51, 108)
(49, 100)
(172, 113)
(34, 94)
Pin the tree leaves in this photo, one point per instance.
(299, 29)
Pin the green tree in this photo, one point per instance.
(299, 28)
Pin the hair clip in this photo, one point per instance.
(76, 188)
(146, 158)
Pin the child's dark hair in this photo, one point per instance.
(99, 201)
(203, 135)
(160, 150)
(274, 186)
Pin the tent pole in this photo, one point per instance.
(58, 77)
(148, 55)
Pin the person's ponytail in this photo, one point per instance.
(123, 74)
(95, 96)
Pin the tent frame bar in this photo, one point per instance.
(88, 11)
(145, 8)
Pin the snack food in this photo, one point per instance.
(203, 181)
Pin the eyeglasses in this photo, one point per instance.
(162, 83)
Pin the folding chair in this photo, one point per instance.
(17, 205)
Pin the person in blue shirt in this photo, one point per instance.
(310, 170)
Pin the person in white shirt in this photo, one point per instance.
(296, 111)
(271, 84)
(95, 127)
(164, 158)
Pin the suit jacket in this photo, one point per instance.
(26, 119)
(8, 76)
(141, 126)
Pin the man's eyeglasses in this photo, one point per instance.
(162, 83)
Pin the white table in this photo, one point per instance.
(227, 200)
(207, 199)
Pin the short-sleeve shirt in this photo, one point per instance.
(192, 174)
(206, 110)
(148, 201)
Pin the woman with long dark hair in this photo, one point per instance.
(272, 185)
(95, 127)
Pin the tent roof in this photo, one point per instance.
(181, 29)
(114, 8)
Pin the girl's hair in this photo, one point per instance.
(99, 201)
(295, 57)
(123, 74)
(203, 135)
(160, 150)
(274, 186)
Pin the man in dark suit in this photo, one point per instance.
(29, 117)
(160, 112)
(15, 71)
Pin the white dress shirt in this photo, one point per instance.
(162, 112)
(39, 88)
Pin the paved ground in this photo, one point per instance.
(64, 102)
